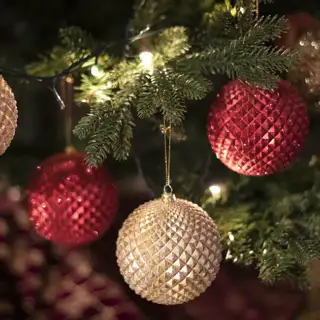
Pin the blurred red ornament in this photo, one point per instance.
(257, 132)
(75, 291)
(70, 203)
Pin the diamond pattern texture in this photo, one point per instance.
(256, 132)
(169, 251)
(8, 115)
(70, 203)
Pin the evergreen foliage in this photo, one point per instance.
(272, 223)
(263, 223)
(182, 65)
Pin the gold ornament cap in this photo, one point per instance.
(169, 250)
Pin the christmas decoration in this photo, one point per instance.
(48, 282)
(76, 291)
(257, 132)
(169, 251)
(169, 67)
(306, 75)
(70, 203)
(8, 115)
(175, 66)
(58, 284)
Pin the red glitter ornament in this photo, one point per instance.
(70, 203)
(257, 132)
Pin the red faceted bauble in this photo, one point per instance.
(257, 132)
(70, 203)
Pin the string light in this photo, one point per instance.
(146, 58)
(109, 85)
(231, 236)
(96, 72)
(234, 11)
(215, 190)
(101, 96)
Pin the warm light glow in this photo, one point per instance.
(96, 72)
(146, 58)
(215, 190)
(231, 236)
(101, 96)
(234, 12)
(109, 84)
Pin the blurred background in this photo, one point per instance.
(40, 281)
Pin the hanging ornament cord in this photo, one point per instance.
(66, 89)
(166, 131)
(256, 9)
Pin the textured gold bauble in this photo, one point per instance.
(8, 115)
(306, 74)
(169, 251)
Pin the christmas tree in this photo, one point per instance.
(208, 98)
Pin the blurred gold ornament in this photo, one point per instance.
(306, 75)
(169, 251)
(8, 115)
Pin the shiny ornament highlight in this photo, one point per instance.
(257, 132)
(8, 115)
(69, 203)
(169, 251)
(306, 74)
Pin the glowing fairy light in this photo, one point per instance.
(109, 85)
(101, 96)
(231, 236)
(146, 58)
(96, 72)
(215, 190)
(234, 11)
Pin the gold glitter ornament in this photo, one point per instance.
(306, 74)
(8, 115)
(169, 251)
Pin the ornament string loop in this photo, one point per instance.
(166, 131)
(253, 6)
(66, 89)
(256, 9)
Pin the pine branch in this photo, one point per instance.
(172, 43)
(177, 76)
(218, 28)
(76, 39)
(109, 127)
(148, 12)
(89, 124)
(50, 65)
(273, 224)
(113, 136)
(94, 90)
(75, 44)
(305, 250)
(266, 29)
(275, 266)
(243, 58)
(166, 91)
